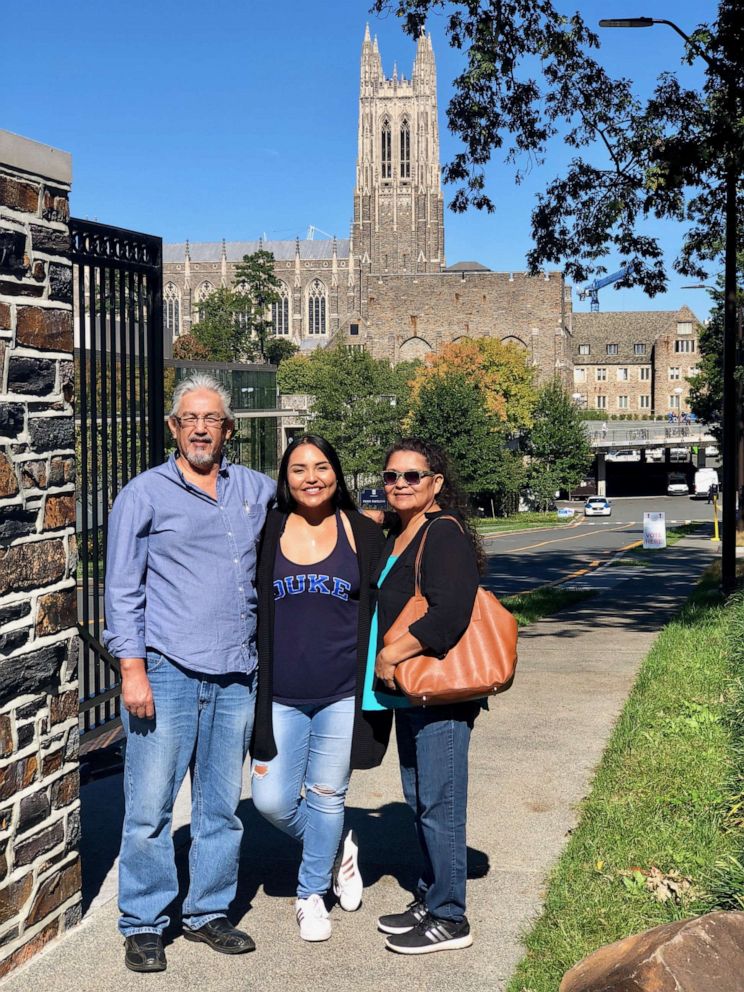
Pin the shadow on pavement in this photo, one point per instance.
(269, 860)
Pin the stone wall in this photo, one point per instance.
(39, 782)
(409, 316)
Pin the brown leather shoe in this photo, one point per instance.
(221, 936)
(144, 952)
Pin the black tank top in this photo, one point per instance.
(316, 612)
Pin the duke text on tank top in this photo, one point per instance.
(316, 613)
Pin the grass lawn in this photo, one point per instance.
(530, 606)
(661, 835)
(520, 521)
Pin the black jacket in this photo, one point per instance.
(449, 581)
(371, 730)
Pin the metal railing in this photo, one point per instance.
(119, 417)
(629, 436)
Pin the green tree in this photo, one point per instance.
(452, 410)
(235, 322)
(220, 330)
(358, 405)
(295, 375)
(278, 350)
(560, 454)
(531, 79)
(706, 388)
(258, 287)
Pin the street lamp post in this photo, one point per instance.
(730, 393)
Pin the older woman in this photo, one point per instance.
(433, 741)
(314, 592)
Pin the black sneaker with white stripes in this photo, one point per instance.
(403, 922)
(431, 934)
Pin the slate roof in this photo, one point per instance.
(624, 328)
(211, 251)
(467, 267)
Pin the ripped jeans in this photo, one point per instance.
(313, 751)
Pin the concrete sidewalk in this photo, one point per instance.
(532, 760)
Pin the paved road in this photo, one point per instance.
(517, 562)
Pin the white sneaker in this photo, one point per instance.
(313, 918)
(348, 884)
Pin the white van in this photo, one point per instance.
(704, 479)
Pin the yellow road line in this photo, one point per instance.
(558, 540)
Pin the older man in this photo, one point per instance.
(181, 619)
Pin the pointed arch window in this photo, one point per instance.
(202, 294)
(243, 314)
(386, 149)
(280, 312)
(405, 150)
(172, 310)
(316, 308)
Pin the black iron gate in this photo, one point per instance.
(118, 281)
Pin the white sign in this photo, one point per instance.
(654, 530)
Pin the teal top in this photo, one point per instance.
(374, 699)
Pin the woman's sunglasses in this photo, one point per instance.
(411, 477)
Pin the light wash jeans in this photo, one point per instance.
(433, 744)
(205, 721)
(313, 751)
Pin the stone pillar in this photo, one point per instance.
(601, 474)
(39, 781)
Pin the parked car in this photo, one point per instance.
(654, 454)
(597, 506)
(677, 484)
(711, 451)
(624, 455)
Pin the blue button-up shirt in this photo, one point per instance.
(181, 566)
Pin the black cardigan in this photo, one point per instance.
(449, 581)
(371, 729)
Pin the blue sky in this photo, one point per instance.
(238, 117)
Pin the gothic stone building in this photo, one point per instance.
(387, 288)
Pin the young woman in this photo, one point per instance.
(432, 741)
(314, 594)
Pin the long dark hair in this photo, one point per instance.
(341, 498)
(451, 496)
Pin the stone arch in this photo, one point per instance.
(414, 348)
(513, 339)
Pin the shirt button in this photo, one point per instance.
(240, 588)
(229, 533)
(235, 560)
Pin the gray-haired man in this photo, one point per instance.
(181, 619)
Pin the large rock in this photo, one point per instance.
(705, 954)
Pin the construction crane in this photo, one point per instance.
(312, 230)
(592, 290)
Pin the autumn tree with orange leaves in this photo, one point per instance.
(499, 371)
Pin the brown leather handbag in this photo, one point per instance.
(482, 662)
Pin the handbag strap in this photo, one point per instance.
(420, 552)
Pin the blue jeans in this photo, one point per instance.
(433, 751)
(313, 751)
(205, 721)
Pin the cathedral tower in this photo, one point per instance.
(398, 209)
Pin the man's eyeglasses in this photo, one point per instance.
(192, 419)
(411, 477)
